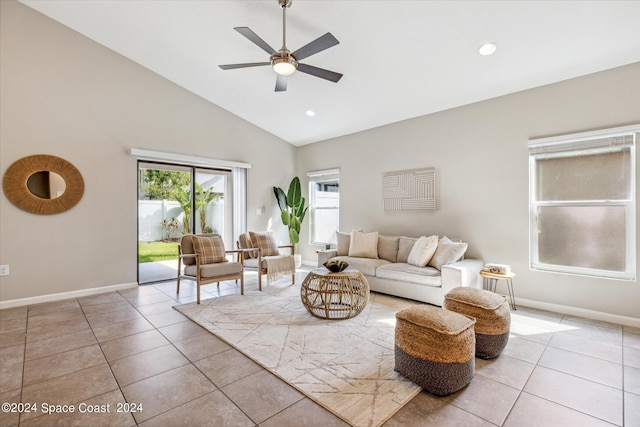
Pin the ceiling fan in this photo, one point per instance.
(283, 61)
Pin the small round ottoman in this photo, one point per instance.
(492, 314)
(434, 348)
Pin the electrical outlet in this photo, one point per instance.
(4, 270)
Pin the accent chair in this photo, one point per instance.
(262, 253)
(205, 261)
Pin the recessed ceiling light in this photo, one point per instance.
(310, 113)
(487, 49)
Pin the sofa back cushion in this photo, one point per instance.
(405, 244)
(364, 245)
(388, 247)
(344, 241)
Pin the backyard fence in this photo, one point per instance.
(155, 218)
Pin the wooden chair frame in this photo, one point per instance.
(207, 280)
(262, 270)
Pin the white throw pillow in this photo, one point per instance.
(448, 252)
(423, 250)
(364, 245)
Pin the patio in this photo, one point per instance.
(158, 271)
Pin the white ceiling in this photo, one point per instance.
(400, 59)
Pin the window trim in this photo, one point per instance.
(594, 142)
(328, 175)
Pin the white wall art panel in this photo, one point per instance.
(409, 190)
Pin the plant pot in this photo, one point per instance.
(297, 258)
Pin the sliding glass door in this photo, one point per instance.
(174, 200)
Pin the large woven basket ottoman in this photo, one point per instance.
(435, 348)
(492, 314)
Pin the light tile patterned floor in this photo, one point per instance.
(123, 349)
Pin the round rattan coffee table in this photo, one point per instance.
(334, 296)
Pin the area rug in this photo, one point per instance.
(344, 365)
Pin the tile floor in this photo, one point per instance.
(127, 358)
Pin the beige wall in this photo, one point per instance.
(480, 153)
(65, 95)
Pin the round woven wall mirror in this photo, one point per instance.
(43, 184)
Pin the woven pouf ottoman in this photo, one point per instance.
(434, 348)
(492, 314)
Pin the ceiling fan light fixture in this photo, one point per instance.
(284, 66)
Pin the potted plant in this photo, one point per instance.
(292, 212)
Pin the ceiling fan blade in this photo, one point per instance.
(246, 31)
(248, 64)
(320, 72)
(281, 83)
(318, 45)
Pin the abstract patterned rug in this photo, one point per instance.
(344, 365)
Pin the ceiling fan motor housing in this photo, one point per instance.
(284, 63)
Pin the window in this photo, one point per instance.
(324, 192)
(582, 203)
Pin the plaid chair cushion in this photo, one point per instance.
(266, 242)
(210, 250)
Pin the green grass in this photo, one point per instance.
(157, 251)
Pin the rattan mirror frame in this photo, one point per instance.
(14, 184)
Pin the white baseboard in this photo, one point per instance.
(580, 312)
(66, 295)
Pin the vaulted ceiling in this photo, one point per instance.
(400, 59)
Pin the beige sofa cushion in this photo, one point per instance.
(405, 244)
(448, 252)
(366, 266)
(388, 247)
(403, 272)
(344, 240)
(423, 250)
(364, 245)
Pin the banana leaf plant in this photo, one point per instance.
(203, 198)
(292, 209)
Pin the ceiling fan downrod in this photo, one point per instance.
(283, 62)
(284, 4)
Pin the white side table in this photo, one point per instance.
(491, 280)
